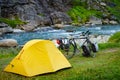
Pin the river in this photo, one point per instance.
(50, 33)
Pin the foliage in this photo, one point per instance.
(12, 23)
(79, 14)
(80, 9)
(115, 38)
(115, 9)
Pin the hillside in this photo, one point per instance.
(48, 12)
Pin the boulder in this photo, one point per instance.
(30, 26)
(0, 34)
(103, 4)
(94, 20)
(58, 25)
(106, 21)
(43, 12)
(60, 17)
(4, 28)
(8, 43)
(113, 22)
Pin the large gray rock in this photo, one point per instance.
(95, 20)
(8, 43)
(113, 22)
(58, 26)
(40, 11)
(60, 17)
(106, 21)
(4, 28)
(103, 4)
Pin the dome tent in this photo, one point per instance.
(37, 57)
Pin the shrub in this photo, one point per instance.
(12, 23)
(79, 14)
(115, 38)
(115, 10)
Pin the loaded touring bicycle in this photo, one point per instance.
(69, 46)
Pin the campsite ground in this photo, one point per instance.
(105, 66)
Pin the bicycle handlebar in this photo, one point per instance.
(86, 33)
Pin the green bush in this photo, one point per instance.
(115, 38)
(103, 46)
(12, 23)
(116, 9)
(79, 14)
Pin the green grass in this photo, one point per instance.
(8, 52)
(115, 38)
(12, 23)
(105, 66)
(114, 41)
(79, 14)
(103, 46)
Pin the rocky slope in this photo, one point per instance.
(47, 12)
(36, 12)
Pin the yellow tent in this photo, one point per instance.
(38, 57)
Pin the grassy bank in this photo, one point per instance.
(105, 66)
(12, 23)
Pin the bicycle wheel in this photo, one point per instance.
(86, 51)
(69, 50)
(94, 47)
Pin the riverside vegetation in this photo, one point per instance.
(81, 11)
(105, 66)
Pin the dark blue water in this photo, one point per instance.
(50, 33)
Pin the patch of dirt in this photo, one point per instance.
(111, 50)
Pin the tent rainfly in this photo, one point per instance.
(37, 57)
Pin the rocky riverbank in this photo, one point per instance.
(35, 13)
(8, 42)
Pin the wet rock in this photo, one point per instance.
(103, 4)
(58, 25)
(8, 43)
(28, 27)
(18, 30)
(4, 28)
(113, 22)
